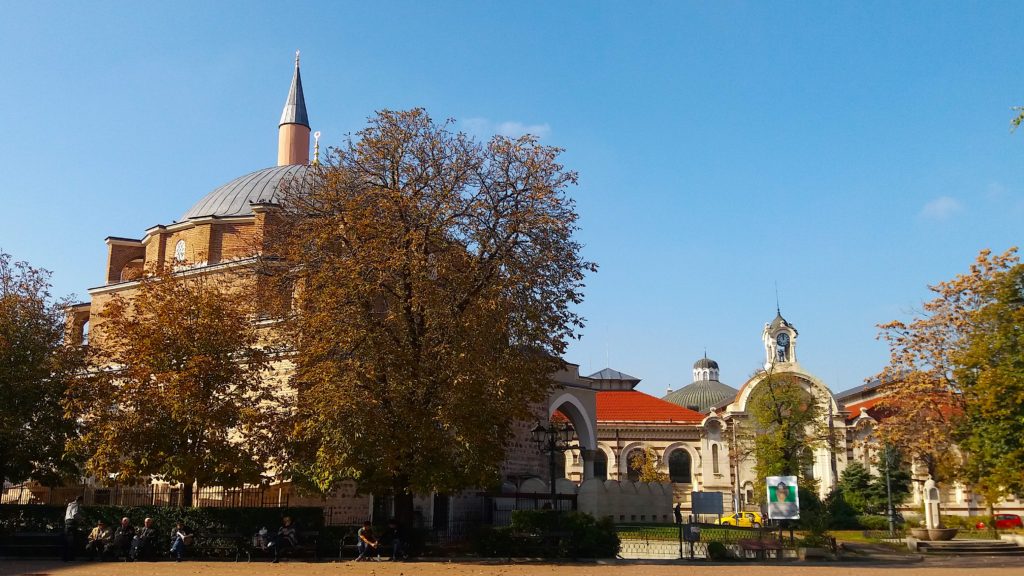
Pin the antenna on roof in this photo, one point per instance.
(778, 310)
(296, 58)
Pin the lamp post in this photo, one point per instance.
(888, 492)
(552, 440)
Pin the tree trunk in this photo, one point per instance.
(992, 517)
(186, 495)
(404, 511)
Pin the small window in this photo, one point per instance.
(714, 459)
(179, 251)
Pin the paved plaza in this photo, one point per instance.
(928, 567)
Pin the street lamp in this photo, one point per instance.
(888, 492)
(552, 440)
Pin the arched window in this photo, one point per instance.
(600, 465)
(714, 459)
(634, 463)
(560, 464)
(679, 467)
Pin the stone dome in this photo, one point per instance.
(701, 395)
(237, 197)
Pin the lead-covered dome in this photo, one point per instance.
(702, 395)
(705, 362)
(237, 197)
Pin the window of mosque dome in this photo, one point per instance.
(179, 251)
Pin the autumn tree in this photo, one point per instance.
(436, 279)
(644, 463)
(989, 373)
(923, 400)
(35, 368)
(788, 424)
(179, 388)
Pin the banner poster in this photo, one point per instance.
(783, 501)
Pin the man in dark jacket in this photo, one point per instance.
(144, 543)
(121, 545)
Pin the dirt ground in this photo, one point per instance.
(929, 567)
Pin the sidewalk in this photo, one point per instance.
(928, 567)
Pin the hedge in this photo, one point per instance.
(549, 534)
(245, 521)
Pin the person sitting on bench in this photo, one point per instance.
(99, 539)
(287, 537)
(393, 536)
(121, 545)
(180, 537)
(366, 542)
(144, 543)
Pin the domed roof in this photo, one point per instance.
(705, 362)
(236, 197)
(701, 395)
(780, 322)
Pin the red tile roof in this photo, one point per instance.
(634, 406)
(854, 409)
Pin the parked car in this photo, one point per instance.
(1002, 522)
(742, 519)
(1007, 521)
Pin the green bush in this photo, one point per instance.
(872, 522)
(547, 534)
(718, 551)
(245, 521)
(841, 514)
(965, 522)
(30, 518)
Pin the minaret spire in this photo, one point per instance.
(293, 130)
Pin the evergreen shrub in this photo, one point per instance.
(547, 534)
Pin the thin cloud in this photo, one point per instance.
(484, 128)
(941, 208)
(517, 129)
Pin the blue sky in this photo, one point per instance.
(852, 153)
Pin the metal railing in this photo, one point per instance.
(147, 495)
(691, 540)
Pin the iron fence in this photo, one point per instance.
(691, 540)
(147, 495)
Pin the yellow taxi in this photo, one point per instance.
(743, 519)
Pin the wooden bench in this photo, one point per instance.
(309, 543)
(348, 543)
(761, 548)
(348, 547)
(226, 545)
(33, 544)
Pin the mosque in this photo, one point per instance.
(691, 432)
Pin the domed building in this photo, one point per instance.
(225, 231)
(222, 230)
(706, 391)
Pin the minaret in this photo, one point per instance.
(293, 131)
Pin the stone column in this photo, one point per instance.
(588, 462)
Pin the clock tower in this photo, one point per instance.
(779, 339)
